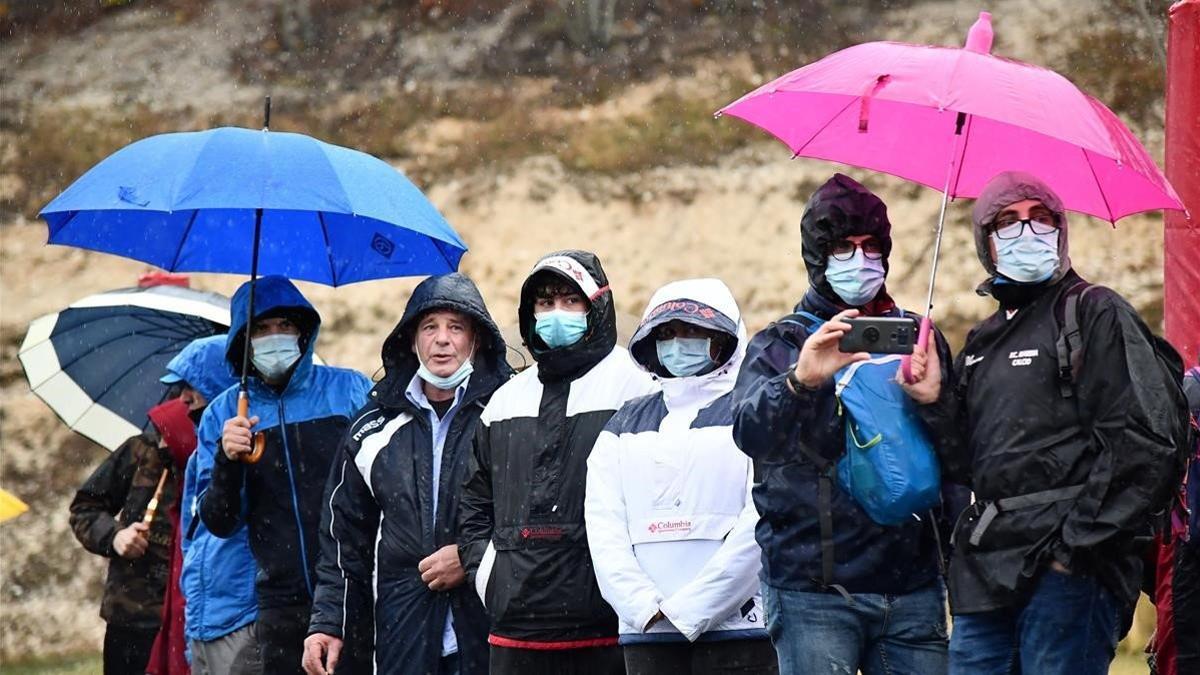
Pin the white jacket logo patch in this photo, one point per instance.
(669, 526)
(1023, 357)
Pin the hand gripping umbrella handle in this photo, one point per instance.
(260, 439)
(922, 343)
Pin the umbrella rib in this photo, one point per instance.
(183, 239)
(328, 250)
(64, 224)
(438, 245)
(1099, 188)
(800, 149)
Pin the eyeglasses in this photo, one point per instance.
(844, 249)
(1009, 226)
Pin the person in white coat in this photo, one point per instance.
(669, 514)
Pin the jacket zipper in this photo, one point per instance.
(287, 458)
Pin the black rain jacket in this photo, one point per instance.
(521, 534)
(378, 522)
(1005, 429)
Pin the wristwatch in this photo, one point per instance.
(795, 383)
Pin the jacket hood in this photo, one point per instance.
(202, 366)
(582, 270)
(707, 303)
(273, 295)
(841, 208)
(1007, 188)
(447, 291)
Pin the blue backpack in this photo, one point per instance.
(889, 467)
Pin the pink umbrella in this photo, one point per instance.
(952, 118)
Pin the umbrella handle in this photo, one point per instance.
(260, 439)
(922, 344)
(152, 505)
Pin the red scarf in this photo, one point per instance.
(169, 655)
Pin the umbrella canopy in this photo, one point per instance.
(193, 201)
(98, 362)
(11, 506)
(916, 111)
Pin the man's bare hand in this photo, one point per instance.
(442, 571)
(237, 438)
(820, 357)
(926, 370)
(131, 542)
(321, 654)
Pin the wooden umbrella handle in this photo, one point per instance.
(260, 439)
(152, 505)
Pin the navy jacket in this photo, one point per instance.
(379, 519)
(279, 498)
(769, 423)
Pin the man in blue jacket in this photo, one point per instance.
(218, 574)
(392, 497)
(303, 410)
(842, 592)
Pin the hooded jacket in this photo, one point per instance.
(279, 499)
(670, 517)
(218, 574)
(379, 520)
(115, 496)
(1007, 431)
(521, 525)
(770, 423)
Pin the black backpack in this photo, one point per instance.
(1069, 350)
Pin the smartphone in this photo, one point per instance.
(879, 335)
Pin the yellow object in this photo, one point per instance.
(10, 506)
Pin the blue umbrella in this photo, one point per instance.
(249, 202)
(98, 362)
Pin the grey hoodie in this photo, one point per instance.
(1007, 188)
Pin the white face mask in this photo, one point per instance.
(452, 380)
(857, 280)
(1030, 258)
(273, 355)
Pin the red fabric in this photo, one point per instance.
(1164, 631)
(1181, 253)
(163, 279)
(551, 646)
(176, 428)
(169, 655)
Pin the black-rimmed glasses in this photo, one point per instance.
(844, 249)
(1009, 226)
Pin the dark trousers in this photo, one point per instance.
(127, 650)
(1186, 604)
(590, 661)
(281, 633)
(751, 657)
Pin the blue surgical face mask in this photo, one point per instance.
(683, 357)
(450, 381)
(560, 328)
(857, 280)
(273, 355)
(1029, 259)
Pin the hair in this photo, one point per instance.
(547, 284)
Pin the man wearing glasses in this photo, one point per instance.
(1063, 460)
(843, 593)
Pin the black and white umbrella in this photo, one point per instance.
(97, 363)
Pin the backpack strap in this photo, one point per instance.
(1069, 346)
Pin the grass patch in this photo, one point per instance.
(672, 130)
(74, 665)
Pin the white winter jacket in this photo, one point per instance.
(670, 519)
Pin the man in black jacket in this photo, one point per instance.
(392, 498)
(521, 526)
(1046, 563)
(842, 591)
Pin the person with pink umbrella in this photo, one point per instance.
(1061, 417)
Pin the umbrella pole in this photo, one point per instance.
(927, 320)
(243, 390)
